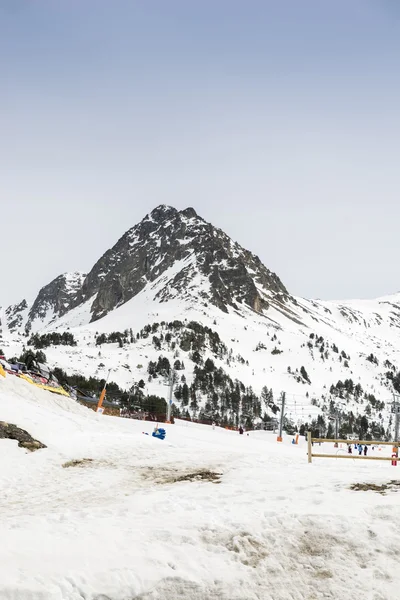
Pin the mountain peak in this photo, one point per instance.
(179, 255)
(162, 212)
(189, 212)
(170, 254)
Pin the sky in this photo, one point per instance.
(278, 122)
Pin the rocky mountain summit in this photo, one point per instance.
(180, 241)
(200, 263)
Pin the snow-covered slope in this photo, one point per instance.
(142, 519)
(173, 266)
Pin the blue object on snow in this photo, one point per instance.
(160, 434)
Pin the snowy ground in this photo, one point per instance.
(120, 528)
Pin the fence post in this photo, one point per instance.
(309, 446)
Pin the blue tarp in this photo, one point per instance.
(160, 434)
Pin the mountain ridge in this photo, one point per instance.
(174, 266)
(146, 251)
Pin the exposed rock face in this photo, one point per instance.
(15, 315)
(24, 439)
(182, 245)
(189, 258)
(56, 298)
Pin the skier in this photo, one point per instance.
(349, 450)
(359, 449)
(241, 430)
(365, 450)
(213, 424)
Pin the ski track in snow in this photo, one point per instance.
(119, 528)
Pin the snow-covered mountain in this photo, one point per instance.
(205, 261)
(53, 301)
(174, 267)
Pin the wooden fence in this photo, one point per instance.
(393, 458)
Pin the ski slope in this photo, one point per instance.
(120, 527)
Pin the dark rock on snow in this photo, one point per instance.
(24, 439)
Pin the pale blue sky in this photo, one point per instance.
(277, 121)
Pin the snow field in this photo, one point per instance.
(121, 528)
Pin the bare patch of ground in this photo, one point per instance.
(81, 462)
(173, 475)
(199, 475)
(392, 485)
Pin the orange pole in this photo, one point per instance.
(103, 393)
(101, 399)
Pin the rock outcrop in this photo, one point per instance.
(15, 315)
(53, 301)
(24, 439)
(56, 298)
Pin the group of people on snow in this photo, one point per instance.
(359, 448)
